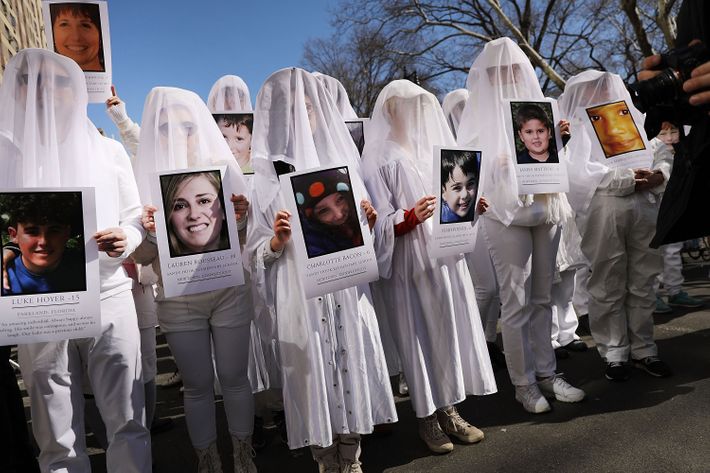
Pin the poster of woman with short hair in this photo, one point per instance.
(50, 288)
(79, 30)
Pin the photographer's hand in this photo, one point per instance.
(699, 85)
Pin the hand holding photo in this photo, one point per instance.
(195, 215)
(327, 211)
(615, 128)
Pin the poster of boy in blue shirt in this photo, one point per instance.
(40, 229)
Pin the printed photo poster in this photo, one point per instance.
(617, 135)
(51, 263)
(79, 30)
(237, 129)
(456, 185)
(357, 132)
(535, 137)
(196, 231)
(330, 232)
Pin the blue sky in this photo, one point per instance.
(191, 44)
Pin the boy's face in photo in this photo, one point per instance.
(535, 136)
(42, 246)
(239, 140)
(459, 192)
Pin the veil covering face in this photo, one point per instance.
(588, 162)
(297, 121)
(229, 94)
(339, 94)
(46, 138)
(178, 132)
(453, 105)
(502, 71)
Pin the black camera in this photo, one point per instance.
(664, 94)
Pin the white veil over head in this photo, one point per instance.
(501, 71)
(339, 94)
(588, 163)
(229, 94)
(178, 132)
(411, 118)
(453, 105)
(43, 101)
(297, 121)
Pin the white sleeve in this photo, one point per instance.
(129, 202)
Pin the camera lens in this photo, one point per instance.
(666, 87)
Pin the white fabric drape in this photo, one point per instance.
(229, 94)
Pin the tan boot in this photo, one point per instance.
(208, 460)
(349, 451)
(243, 455)
(435, 438)
(453, 424)
(327, 458)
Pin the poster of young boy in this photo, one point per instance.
(356, 128)
(196, 231)
(535, 138)
(331, 235)
(617, 135)
(456, 183)
(79, 30)
(50, 265)
(237, 129)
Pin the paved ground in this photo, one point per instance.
(643, 425)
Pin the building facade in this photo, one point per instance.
(21, 26)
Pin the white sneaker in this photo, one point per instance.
(559, 388)
(532, 399)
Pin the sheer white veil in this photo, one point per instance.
(229, 94)
(339, 94)
(453, 105)
(412, 118)
(178, 132)
(296, 121)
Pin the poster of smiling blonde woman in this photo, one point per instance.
(619, 135)
(50, 288)
(456, 183)
(331, 236)
(196, 232)
(79, 30)
(537, 144)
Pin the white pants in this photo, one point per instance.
(524, 260)
(624, 268)
(580, 299)
(483, 274)
(113, 364)
(193, 355)
(672, 275)
(564, 318)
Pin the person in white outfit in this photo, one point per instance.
(44, 101)
(335, 383)
(435, 324)
(453, 104)
(616, 207)
(178, 132)
(522, 231)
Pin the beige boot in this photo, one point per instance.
(435, 438)
(453, 424)
(243, 455)
(327, 458)
(349, 451)
(208, 460)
